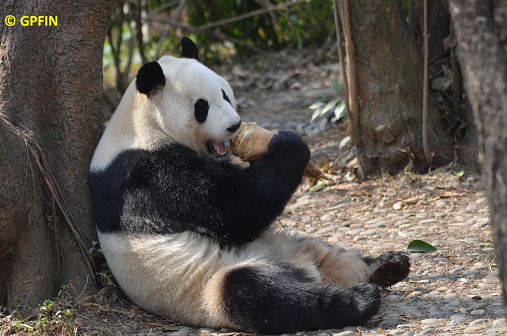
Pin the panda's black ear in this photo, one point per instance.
(189, 49)
(149, 77)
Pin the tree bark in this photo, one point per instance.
(50, 119)
(481, 28)
(390, 91)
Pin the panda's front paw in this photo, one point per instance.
(287, 143)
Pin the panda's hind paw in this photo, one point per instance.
(390, 268)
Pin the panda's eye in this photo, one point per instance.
(201, 108)
(225, 97)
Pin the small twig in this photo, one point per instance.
(351, 75)
(138, 9)
(229, 20)
(51, 186)
(173, 20)
(341, 57)
(49, 179)
(429, 159)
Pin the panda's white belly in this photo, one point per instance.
(180, 275)
(164, 274)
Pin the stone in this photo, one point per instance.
(472, 207)
(354, 232)
(456, 269)
(367, 233)
(427, 330)
(389, 321)
(393, 297)
(478, 312)
(458, 317)
(441, 204)
(447, 308)
(207, 330)
(327, 218)
(451, 296)
(425, 221)
(413, 312)
(431, 321)
(455, 322)
(439, 313)
(398, 205)
(493, 274)
(479, 321)
(345, 333)
(473, 328)
(500, 323)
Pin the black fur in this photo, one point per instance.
(226, 98)
(189, 49)
(234, 127)
(279, 298)
(149, 77)
(172, 189)
(201, 108)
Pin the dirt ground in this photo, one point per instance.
(452, 291)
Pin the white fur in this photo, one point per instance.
(179, 275)
(142, 122)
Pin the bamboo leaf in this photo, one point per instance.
(329, 106)
(340, 111)
(336, 86)
(316, 114)
(420, 246)
(345, 141)
(320, 185)
(316, 105)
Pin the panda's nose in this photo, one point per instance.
(234, 128)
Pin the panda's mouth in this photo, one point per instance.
(217, 148)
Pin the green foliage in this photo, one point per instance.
(321, 107)
(53, 317)
(299, 23)
(420, 246)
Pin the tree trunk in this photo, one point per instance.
(390, 90)
(481, 28)
(50, 123)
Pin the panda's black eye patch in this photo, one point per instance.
(225, 97)
(201, 108)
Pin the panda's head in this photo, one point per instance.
(190, 103)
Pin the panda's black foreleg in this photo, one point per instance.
(389, 268)
(278, 298)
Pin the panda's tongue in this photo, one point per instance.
(219, 147)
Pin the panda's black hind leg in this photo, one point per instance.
(278, 298)
(389, 268)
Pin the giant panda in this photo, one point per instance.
(188, 234)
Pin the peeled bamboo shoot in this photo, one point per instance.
(251, 141)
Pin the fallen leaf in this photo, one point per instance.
(344, 186)
(412, 200)
(154, 324)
